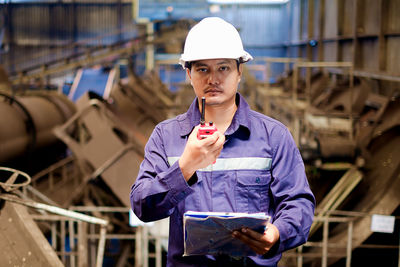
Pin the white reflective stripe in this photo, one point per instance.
(172, 160)
(229, 164)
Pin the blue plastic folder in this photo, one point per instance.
(210, 233)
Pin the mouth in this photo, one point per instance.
(212, 90)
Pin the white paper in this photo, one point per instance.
(210, 233)
(134, 221)
(382, 223)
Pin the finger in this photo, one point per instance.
(219, 142)
(255, 245)
(193, 135)
(210, 140)
(221, 139)
(271, 235)
(261, 243)
(244, 235)
(217, 147)
(252, 234)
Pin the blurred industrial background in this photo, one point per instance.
(84, 82)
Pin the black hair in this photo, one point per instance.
(188, 64)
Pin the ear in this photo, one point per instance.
(240, 72)
(188, 73)
(190, 77)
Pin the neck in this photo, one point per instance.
(221, 116)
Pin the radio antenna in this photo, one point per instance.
(203, 111)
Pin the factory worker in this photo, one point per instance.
(251, 164)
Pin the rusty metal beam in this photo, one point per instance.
(21, 241)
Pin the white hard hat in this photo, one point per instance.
(213, 38)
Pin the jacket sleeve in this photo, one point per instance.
(159, 187)
(293, 200)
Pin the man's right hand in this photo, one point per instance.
(199, 154)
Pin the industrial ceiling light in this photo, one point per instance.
(215, 9)
(249, 2)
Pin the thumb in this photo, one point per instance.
(194, 132)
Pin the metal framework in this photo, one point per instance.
(79, 229)
(295, 97)
(141, 237)
(298, 105)
(329, 250)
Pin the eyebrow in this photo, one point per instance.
(200, 64)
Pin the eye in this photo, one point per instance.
(201, 69)
(224, 68)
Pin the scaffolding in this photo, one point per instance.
(77, 238)
(329, 248)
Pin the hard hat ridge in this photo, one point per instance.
(213, 38)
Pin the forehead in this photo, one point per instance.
(211, 62)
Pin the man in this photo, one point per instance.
(251, 164)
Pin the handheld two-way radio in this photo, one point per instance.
(205, 128)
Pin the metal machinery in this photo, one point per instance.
(105, 138)
(29, 118)
(22, 241)
(348, 134)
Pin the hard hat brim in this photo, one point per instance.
(243, 58)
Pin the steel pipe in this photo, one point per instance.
(27, 120)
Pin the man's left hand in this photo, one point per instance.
(260, 243)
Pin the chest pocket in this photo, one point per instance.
(252, 190)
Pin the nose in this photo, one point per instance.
(213, 78)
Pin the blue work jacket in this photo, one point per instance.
(259, 169)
